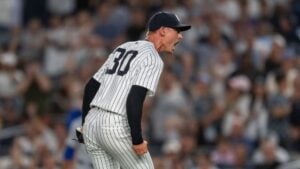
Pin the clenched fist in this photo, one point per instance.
(141, 149)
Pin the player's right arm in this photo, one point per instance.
(134, 107)
(144, 83)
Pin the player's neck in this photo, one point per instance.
(156, 42)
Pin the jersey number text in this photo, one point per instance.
(120, 60)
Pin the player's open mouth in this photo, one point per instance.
(175, 45)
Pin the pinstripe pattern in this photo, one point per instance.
(145, 70)
(108, 142)
(106, 130)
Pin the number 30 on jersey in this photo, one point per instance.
(121, 64)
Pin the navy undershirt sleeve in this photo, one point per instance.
(90, 91)
(134, 106)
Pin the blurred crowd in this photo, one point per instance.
(229, 97)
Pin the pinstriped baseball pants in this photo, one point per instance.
(108, 142)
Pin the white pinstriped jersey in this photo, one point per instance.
(132, 63)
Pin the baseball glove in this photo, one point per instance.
(79, 135)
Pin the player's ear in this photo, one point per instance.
(162, 31)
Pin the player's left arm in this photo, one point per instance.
(90, 91)
(92, 87)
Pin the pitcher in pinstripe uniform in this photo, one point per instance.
(114, 96)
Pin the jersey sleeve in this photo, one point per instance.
(97, 76)
(149, 73)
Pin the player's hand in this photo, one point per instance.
(141, 149)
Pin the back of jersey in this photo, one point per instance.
(132, 63)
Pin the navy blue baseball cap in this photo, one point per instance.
(166, 19)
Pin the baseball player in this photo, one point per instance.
(114, 96)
